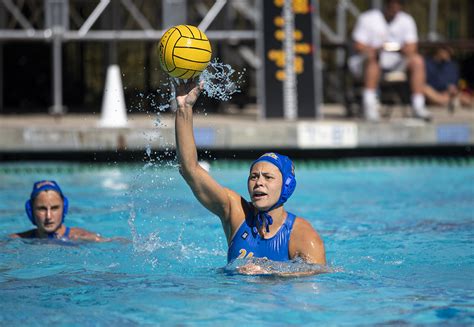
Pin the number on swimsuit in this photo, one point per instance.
(243, 254)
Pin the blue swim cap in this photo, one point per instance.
(40, 187)
(287, 169)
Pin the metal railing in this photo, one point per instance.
(56, 27)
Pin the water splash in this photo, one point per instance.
(153, 103)
(147, 244)
(144, 245)
(265, 267)
(221, 81)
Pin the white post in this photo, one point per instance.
(290, 100)
(113, 112)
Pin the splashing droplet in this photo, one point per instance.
(221, 81)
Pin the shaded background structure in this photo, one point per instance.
(78, 40)
(55, 54)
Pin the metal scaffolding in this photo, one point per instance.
(59, 21)
(56, 28)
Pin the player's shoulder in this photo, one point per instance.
(231, 193)
(303, 228)
(27, 234)
(80, 233)
(302, 223)
(304, 236)
(237, 201)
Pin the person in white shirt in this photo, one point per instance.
(387, 41)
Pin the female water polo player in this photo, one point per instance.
(261, 228)
(46, 208)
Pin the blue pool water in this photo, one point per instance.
(398, 234)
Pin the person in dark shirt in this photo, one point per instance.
(442, 77)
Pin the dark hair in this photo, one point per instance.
(387, 2)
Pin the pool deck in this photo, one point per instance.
(27, 136)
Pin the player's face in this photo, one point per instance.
(48, 211)
(264, 185)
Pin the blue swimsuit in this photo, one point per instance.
(64, 237)
(247, 244)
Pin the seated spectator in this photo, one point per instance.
(442, 77)
(46, 209)
(386, 41)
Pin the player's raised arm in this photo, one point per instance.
(210, 193)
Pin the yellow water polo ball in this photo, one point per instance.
(185, 51)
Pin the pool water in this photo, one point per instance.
(398, 234)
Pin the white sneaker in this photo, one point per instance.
(422, 113)
(371, 112)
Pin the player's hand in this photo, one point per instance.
(186, 93)
(253, 269)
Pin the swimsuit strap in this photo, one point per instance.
(66, 233)
(290, 220)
